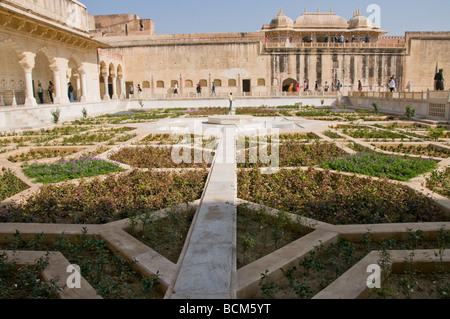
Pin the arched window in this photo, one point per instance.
(218, 82)
(189, 84)
(231, 82)
(173, 82)
(145, 84)
(203, 83)
(261, 82)
(160, 84)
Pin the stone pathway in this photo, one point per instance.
(208, 267)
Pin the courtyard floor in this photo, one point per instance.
(273, 202)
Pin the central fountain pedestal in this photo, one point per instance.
(230, 119)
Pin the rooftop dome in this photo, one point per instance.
(321, 20)
(281, 21)
(359, 22)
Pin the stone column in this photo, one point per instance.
(105, 79)
(57, 83)
(28, 64)
(77, 76)
(60, 71)
(83, 97)
(239, 85)
(122, 88)
(29, 98)
(14, 103)
(152, 84)
(114, 83)
(209, 84)
(181, 86)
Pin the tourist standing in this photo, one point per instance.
(392, 84)
(339, 85)
(230, 99)
(439, 80)
(199, 88)
(51, 90)
(175, 90)
(131, 91)
(291, 88)
(213, 89)
(40, 93)
(70, 92)
(327, 86)
(360, 88)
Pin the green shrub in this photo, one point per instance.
(55, 114)
(376, 108)
(410, 112)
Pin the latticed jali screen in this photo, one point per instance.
(437, 110)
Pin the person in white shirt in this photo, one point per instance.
(230, 98)
(392, 84)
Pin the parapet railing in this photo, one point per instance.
(12, 97)
(422, 95)
(370, 45)
(209, 95)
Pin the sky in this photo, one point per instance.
(200, 16)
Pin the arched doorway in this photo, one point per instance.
(43, 74)
(103, 78)
(287, 83)
(111, 78)
(74, 79)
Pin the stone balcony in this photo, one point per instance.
(331, 45)
(65, 13)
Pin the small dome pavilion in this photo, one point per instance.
(320, 20)
(281, 21)
(322, 27)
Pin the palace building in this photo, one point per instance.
(102, 56)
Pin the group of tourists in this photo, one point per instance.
(339, 39)
(296, 87)
(51, 90)
(293, 87)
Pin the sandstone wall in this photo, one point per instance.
(426, 50)
(120, 25)
(158, 62)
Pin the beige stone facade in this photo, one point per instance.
(103, 56)
(427, 52)
(266, 62)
